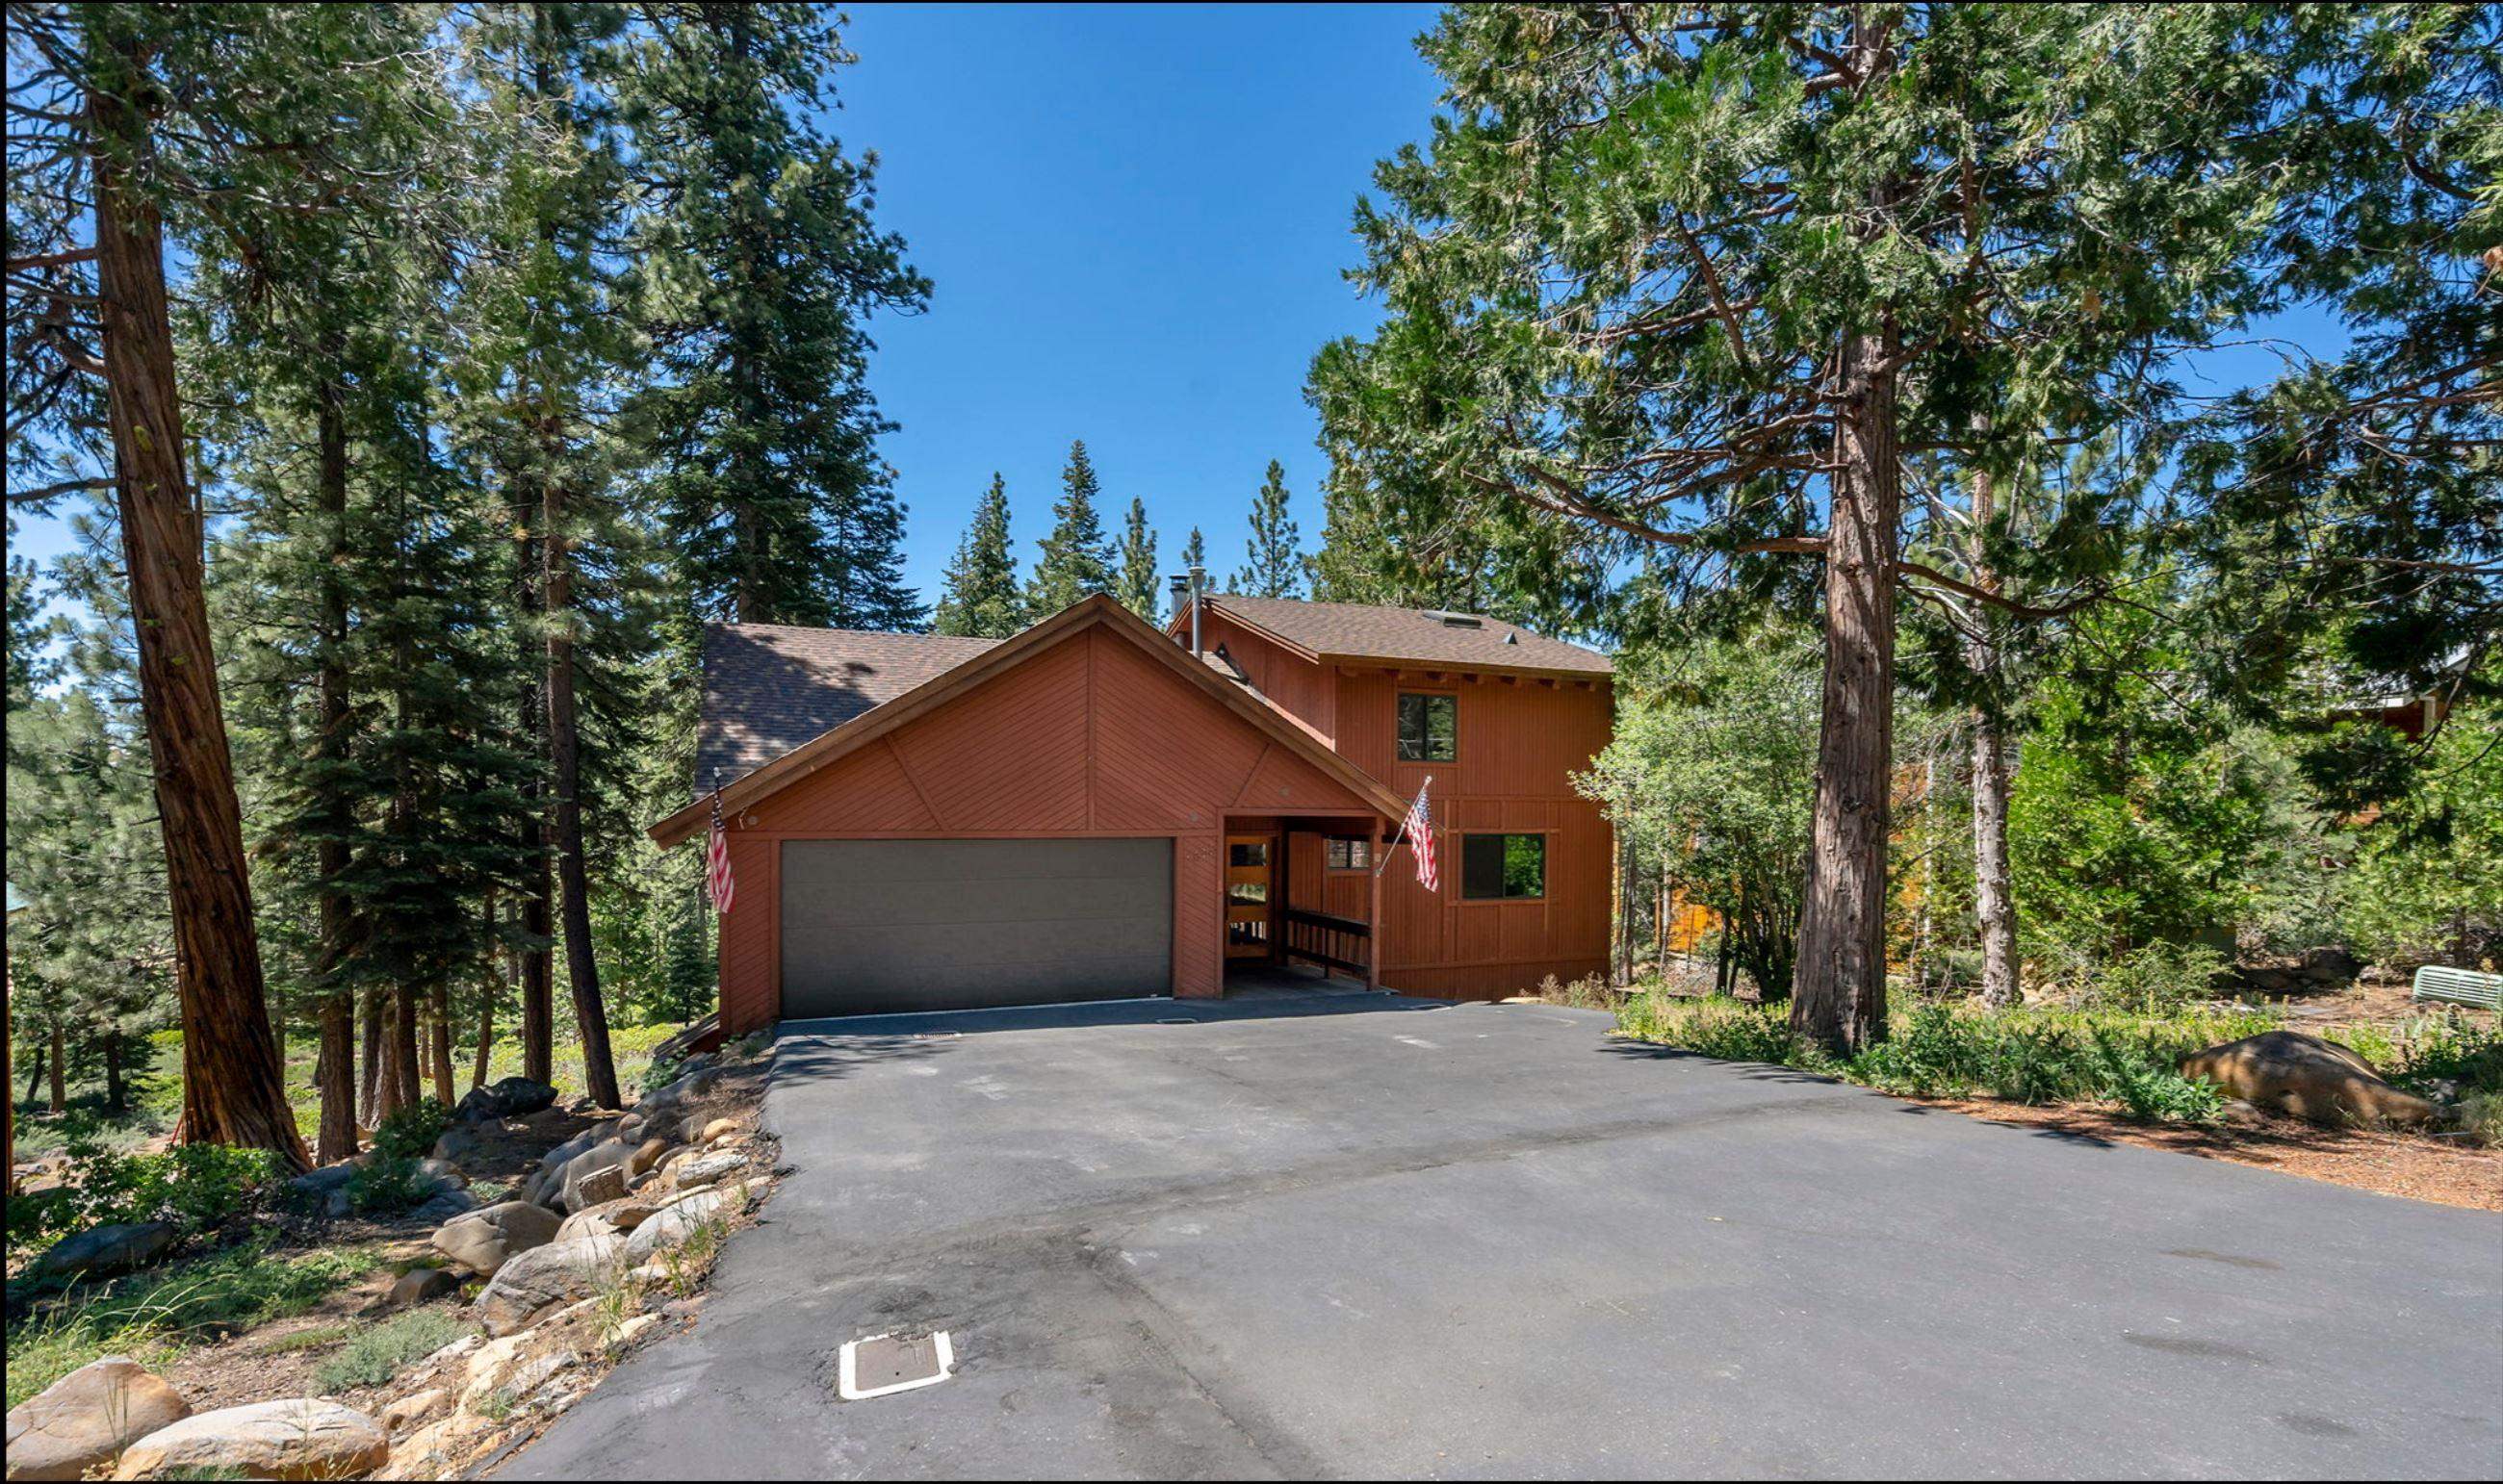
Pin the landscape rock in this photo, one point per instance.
(608, 1219)
(542, 1277)
(646, 1155)
(676, 1222)
(318, 1184)
(508, 1098)
(429, 1452)
(445, 1175)
(414, 1408)
(419, 1284)
(586, 1181)
(101, 1251)
(2309, 1078)
(484, 1240)
(87, 1417)
(706, 1168)
(459, 1142)
(445, 1206)
(302, 1438)
(632, 1328)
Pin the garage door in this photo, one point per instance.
(875, 926)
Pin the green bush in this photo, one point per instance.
(1713, 1025)
(410, 1132)
(388, 1185)
(2154, 978)
(376, 1355)
(196, 1187)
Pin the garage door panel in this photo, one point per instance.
(872, 926)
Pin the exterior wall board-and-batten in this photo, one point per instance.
(1521, 736)
(1090, 734)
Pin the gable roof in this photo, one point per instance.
(1341, 631)
(767, 688)
(996, 657)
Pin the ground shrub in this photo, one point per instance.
(410, 1131)
(196, 1187)
(374, 1356)
(388, 1185)
(154, 1316)
(1713, 1025)
(2154, 978)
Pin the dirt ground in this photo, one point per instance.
(2417, 1166)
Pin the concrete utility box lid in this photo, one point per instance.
(883, 1364)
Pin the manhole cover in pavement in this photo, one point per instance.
(883, 1364)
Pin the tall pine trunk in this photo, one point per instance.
(336, 1068)
(60, 1087)
(234, 1088)
(1994, 898)
(442, 1019)
(407, 1068)
(369, 1097)
(1838, 996)
(565, 757)
(534, 969)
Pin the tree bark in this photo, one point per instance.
(565, 757)
(442, 1019)
(116, 1094)
(382, 1009)
(369, 1096)
(336, 1073)
(1994, 899)
(60, 1087)
(533, 966)
(408, 1070)
(234, 1088)
(1839, 996)
(35, 1071)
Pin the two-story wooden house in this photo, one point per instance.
(1092, 809)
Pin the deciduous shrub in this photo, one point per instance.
(196, 1187)
(374, 1356)
(410, 1131)
(387, 1185)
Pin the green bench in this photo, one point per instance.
(2461, 987)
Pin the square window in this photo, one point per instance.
(1248, 854)
(1429, 728)
(1503, 868)
(1350, 853)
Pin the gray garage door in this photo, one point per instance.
(876, 925)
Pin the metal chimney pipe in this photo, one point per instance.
(1198, 599)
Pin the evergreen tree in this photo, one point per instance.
(982, 600)
(1137, 584)
(1077, 557)
(757, 265)
(1277, 568)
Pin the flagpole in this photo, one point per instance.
(1401, 833)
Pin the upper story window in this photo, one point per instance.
(1350, 853)
(1503, 868)
(1429, 728)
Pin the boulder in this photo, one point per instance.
(445, 1206)
(542, 1277)
(2330, 965)
(2308, 1077)
(509, 1097)
(87, 1417)
(676, 1222)
(718, 1128)
(646, 1155)
(443, 1174)
(459, 1143)
(102, 1250)
(484, 1240)
(318, 1184)
(608, 1219)
(414, 1408)
(586, 1180)
(429, 1452)
(706, 1168)
(302, 1438)
(419, 1284)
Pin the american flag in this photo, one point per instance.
(1419, 828)
(717, 861)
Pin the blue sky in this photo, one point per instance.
(1135, 218)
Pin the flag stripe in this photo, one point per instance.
(1419, 829)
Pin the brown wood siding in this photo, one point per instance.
(1089, 736)
(1520, 741)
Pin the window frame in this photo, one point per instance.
(1360, 845)
(1460, 863)
(1399, 725)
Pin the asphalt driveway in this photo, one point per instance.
(1370, 1236)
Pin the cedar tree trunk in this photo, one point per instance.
(565, 756)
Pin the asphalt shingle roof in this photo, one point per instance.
(769, 688)
(1356, 631)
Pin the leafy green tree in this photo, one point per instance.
(980, 598)
(1277, 567)
(1077, 557)
(1707, 782)
(1136, 584)
(1675, 291)
(2427, 880)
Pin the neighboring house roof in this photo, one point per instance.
(1340, 632)
(989, 657)
(767, 688)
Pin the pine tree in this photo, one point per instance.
(1077, 558)
(1137, 584)
(982, 600)
(1277, 568)
(758, 267)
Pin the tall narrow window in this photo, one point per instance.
(1429, 728)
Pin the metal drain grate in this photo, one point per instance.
(884, 1364)
(1179, 1019)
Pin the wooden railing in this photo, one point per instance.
(1339, 942)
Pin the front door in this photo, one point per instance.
(1251, 895)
